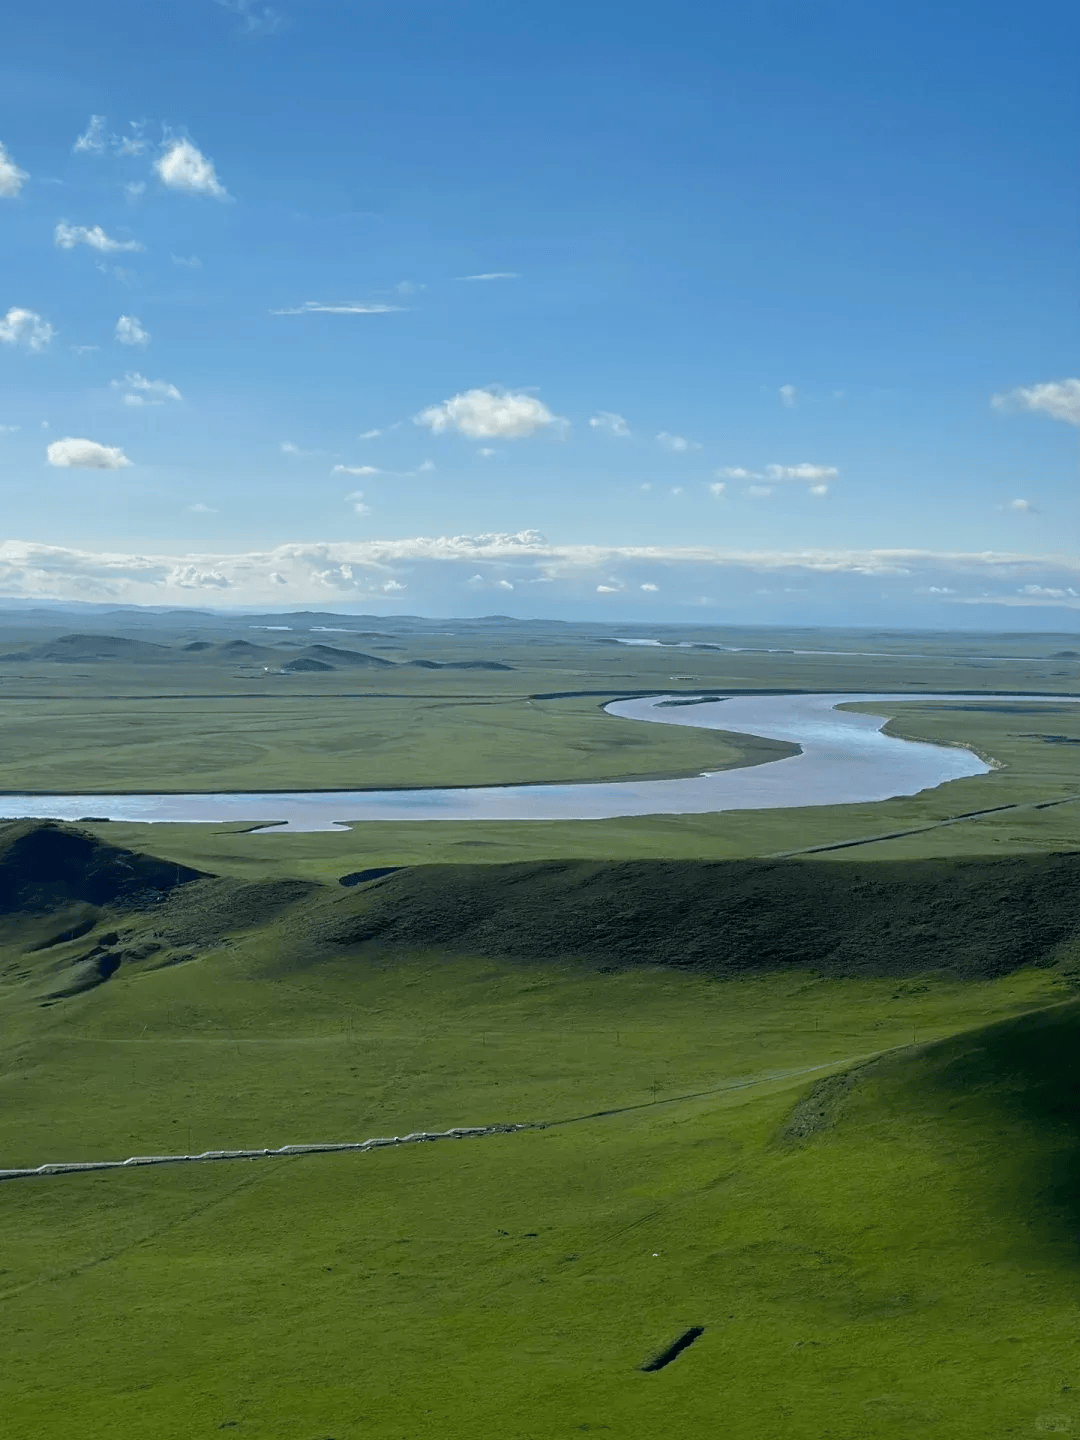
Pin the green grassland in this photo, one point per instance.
(824, 1107)
(905, 1266)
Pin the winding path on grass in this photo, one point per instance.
(418, 1137)
(843, 759)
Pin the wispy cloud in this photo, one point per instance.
(200, 509)
(788, 395)
(145, 392)
(356, 499)
(68, 236)
(182, 166)
(85, 455)
(736, 472)
(94, 139)
(493, 275)
(340, 307)
(677, 444)
(610, 423)
(1060, 399)
(189, 262)
(25, 327)
(258, 19)
(1022, 507)
(12, 178)
(801, 472)
(97, 138)
(355, 470)
(130, 331)
(490, 415)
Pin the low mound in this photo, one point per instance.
(93, 647)
(459, 665)
(970, 917)
(332, 656)
(304, 664)
(1001, 1103)
(46, 866)
(197, 645)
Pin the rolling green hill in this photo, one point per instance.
(857, 1179)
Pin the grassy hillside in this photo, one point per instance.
(892, 1255)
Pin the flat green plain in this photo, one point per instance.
(891, 1257)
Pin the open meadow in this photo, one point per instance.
(802, 1080)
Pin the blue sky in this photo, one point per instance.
(750, 279)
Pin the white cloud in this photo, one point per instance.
(1060, 399)
(678, 444)
(9, 429)
(189, 262)
(97, 138)
(485, 452)
(676, 489)
(425, 467)
(11, 177)
(184, 167)
(134, 189)
(149, 392)
(610, 423)
(200, 509)
(86, 455)
(94, 139)
(25, 327)
(370, 435)
(759, 492)
(650, 587)
(787, 395)
(607, 589)
(356, 500)
(84, 349)
(801, 472)
(339, 307)
(504, 585)
(357, 572)
(129, 331)
(355, 470)
(1022, 506)
(493, 275)
(489, 415)
(717, 488)
(736, 472)
(819, 490)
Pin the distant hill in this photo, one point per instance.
(82, 648)
(304, 664)
(333, 656)
(459, 664)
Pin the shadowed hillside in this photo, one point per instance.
(970, 917)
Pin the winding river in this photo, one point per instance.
(844, 759)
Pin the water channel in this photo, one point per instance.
(844, 759)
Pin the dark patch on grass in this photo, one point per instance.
(673, 1351)
(821, 1108)
(360, 877)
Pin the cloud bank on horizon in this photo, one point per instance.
(600, 354)
(458, 575)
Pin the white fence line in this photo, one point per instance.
(462, 1132)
